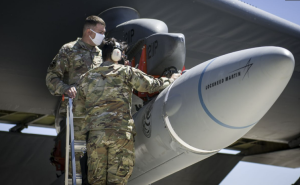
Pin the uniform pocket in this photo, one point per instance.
(125, 168)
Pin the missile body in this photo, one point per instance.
(208, 108)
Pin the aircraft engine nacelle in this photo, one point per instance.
(149, 42)
(123, 23)
(162, 51)
(134, 30)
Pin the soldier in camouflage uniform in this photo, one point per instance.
(73, 60)
(104, 94)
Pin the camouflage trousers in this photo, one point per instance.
(110, 157)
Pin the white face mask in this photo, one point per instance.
(98, 38)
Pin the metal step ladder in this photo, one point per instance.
(75, 146)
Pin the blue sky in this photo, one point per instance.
(246, 173)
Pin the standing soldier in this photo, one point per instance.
(104, 94)
(73, 60)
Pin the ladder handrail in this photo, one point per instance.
(67, 148)
(70, 131)
(72, 140)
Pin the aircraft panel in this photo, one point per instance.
(286, 158)
(25, 159)
(209, 171)
(25, 57)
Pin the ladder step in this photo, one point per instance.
(78, 180)
(79, 146)
(79, 117)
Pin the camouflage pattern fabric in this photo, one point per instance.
(73, 60)
(110, 157)
(104, 96)
(78, 122)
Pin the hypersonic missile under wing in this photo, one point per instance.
(206, 109)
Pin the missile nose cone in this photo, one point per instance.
(277, 64)
(225, 97)
(208, 108)
(236, 94)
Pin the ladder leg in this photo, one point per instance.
(67, 148)
(72, 141)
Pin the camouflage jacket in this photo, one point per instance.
(104, 95)
(73, 60)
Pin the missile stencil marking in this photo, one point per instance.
(128, 36)
(218, 82)
(146, 121)
(246, 67)
(232, 76)
(204, 106)
(152, 49)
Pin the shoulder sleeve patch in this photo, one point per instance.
(52, 65)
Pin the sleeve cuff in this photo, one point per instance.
(64, 89)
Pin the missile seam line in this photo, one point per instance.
(184, 144)
(176, 137)
(206, 109)
(158, 166)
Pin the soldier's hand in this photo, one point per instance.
(126, 63)
(175, 76)
(71, 92)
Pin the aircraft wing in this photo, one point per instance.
(33, 32)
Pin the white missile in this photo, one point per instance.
(208, 108)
